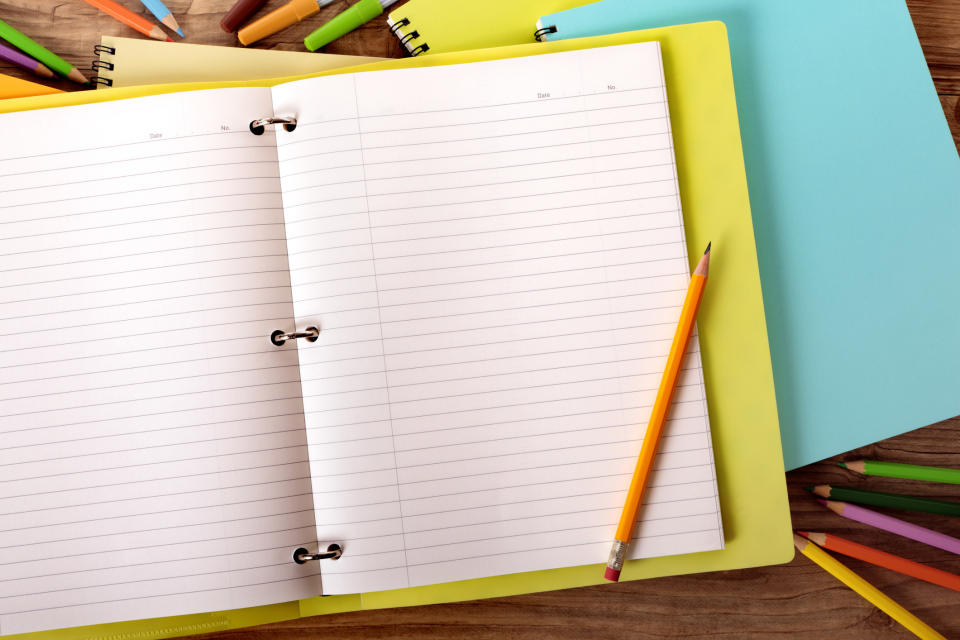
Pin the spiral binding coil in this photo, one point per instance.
(257, 127)
(398, 25)
(539, 33)
(421, 49)
(101, 65)
(410, 36)
(302, 555)
(279, 337)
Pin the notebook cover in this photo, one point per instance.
(11, 87)
(139, 62)
(444, 25)
(733, 338)
(856, 179)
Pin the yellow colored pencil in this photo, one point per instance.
(863, 588)
(658, 417)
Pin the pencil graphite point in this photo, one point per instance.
(802, 533)
(708, 248)
(843, 464)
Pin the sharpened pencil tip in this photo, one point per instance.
(810, 488)
(169, 39)
(709, 244)
(843, 464)
(180, 33)
(805, 534)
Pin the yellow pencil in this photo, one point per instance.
(869, 592)
(658, 416)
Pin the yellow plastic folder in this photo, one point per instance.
(733, 336)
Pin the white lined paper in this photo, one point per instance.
(152, 459)
(498, 275)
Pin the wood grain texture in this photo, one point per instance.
(797, 600)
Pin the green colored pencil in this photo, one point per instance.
(889, 500)
(904, 471)
(40, 53)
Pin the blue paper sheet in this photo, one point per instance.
(855, 189)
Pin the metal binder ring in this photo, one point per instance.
(539, 33)
(257, 127)
(334, 551)
(279, 336)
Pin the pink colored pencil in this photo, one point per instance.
(894, 525)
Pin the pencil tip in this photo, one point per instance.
(843, 464)
(180, 33)
(708, 248)
(805, 534)
(810, 488)
(169, 39)
(76, 76)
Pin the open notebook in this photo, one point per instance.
(494, 256)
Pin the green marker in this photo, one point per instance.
(357, 15)
(39, 53)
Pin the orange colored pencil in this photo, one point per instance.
(131, 19)
(658, 416)
(883, 559)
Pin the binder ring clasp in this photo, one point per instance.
(257, 127)
(279, 336)
(333, 552)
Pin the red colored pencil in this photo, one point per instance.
(131, 19)
(883, 559)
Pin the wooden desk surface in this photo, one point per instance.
(797, 600)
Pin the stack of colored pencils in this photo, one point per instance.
(138, 22)
(839, 499)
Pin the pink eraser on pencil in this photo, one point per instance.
(611, 574)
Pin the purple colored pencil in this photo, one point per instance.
(17, 57)
(894, 525)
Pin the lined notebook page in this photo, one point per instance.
(495, 254)
(152, 452)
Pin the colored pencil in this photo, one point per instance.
(658, 416)
(883, 559)
(164, 15)
(888, 500)
(15, 56)
(904, 471)
(866, 590)
(894, 525)
(40, 53)
(131, 19)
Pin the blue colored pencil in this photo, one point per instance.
(164, 15)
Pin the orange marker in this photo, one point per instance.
(883, 559)
(130, 19)
(280, 18)
(658, 416)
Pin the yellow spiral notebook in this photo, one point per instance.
(747, 490)
(130, 62)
